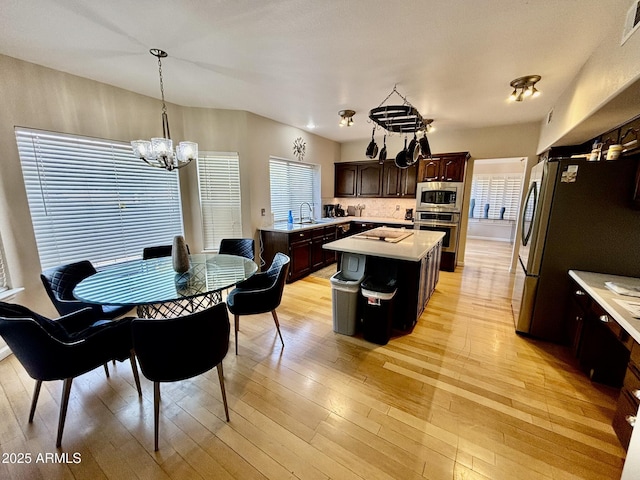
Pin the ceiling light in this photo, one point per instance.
(346, 117)
(159, 151)
(524, 87)
(311, 125)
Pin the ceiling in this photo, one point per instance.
(301, 61)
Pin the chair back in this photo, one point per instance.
(60, 281)
(277, 273)
(172, 349)
(158, 251)
(243, 247)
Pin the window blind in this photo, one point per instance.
(292, 183)
(219, 187)
(92, 199)
(3, 275)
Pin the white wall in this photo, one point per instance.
(38, 97)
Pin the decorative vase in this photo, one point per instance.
(179, 254)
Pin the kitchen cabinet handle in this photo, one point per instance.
(578, 318)
(631, 420)
(580, 293)
(636, 393)
(604, 318)
(301, 234)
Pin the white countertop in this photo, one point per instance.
(413, 248)
(593, 284)
(295, 227)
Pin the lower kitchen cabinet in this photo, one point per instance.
(304, 248)
(629, 400)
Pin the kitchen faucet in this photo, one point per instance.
(310, 212)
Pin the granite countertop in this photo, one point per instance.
(295, 227)
(413, 248)
(593, 284)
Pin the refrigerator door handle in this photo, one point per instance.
(533, 195)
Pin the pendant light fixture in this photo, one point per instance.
(346, 117)
(159, 151)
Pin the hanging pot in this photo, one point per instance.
(383, 151)
(401, 157)
(425, 149)
(372, 149)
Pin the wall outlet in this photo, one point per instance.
(397, 208)
(263, 212)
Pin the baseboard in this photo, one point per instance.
(492, 239)
(4, 352)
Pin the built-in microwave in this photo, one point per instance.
(439, 196)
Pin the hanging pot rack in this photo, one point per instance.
(403, 118)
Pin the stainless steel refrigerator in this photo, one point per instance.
(576, 215)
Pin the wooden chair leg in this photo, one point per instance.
(34, 400)
(64, 403)
(156, 413)
(236, 319)
(224, 393)
(106, 370)
(275, 319)
(134, 368)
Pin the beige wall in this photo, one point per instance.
(611, 70)
(38, 97)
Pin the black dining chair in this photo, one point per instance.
(59, 283)
(158, 251)
(173, 349)
(260, 293)
(243, 247)
(64, 348)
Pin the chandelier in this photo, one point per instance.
(524, 87)
(159, 151)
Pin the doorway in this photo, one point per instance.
(494, 207)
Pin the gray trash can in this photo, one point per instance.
(345, 286)
(377, 311)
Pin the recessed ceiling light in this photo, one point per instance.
(311, 125)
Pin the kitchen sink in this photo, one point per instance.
(314, 222)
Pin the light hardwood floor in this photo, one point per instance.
(461, 397)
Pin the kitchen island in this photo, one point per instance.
(413, 260)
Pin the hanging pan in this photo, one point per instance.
(372, 149)
(401, 157)
(383, 151)
(413, 152)
(425, 149)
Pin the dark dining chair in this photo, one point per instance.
(64, 348)
(260, 293)
(158, 251)
(243, 247)
(173, 349)
(59, 283)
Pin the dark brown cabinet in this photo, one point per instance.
(399, 182)
(360, 179)
(304, 248)
(629, 400)
(445, 167)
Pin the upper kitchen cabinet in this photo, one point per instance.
(359, 179)
(399, 182)
(444, 167)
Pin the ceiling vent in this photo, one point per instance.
(632, 21)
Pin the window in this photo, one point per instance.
(497, 191)
(219, 186)
(92, 199)
(292, 183)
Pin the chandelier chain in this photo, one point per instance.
(164, 107)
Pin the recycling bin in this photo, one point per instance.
(377, 310)
(345, 287)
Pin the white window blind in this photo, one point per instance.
(92, 199)
(497, 191)
(3, 275)
(292, 183)
(219, 186)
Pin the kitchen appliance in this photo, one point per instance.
(408, 214)
(448, 223)
(439, 196)
(339, 211)
(329, 210)
(576, 215)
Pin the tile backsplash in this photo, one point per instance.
(376, 207)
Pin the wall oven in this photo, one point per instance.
(448, 223)
(439, 196)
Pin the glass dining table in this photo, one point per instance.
(157, 291)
